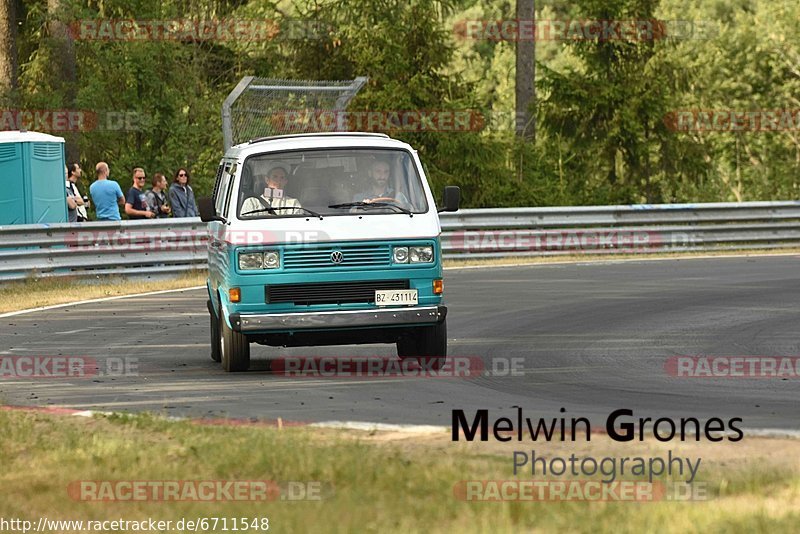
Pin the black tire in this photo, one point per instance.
(216, 352)
(235, 349)
(428, 346)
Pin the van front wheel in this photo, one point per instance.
(234, 347)
(428, 345)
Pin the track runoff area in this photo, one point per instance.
(603, 381)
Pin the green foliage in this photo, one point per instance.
(601, 136)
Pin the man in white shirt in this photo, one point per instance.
(273, 197)
(74, 172)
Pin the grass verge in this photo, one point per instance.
(381, 482)
(37, 292)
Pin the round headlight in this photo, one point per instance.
(400, 255)
(271, 259)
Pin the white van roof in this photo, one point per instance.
(314, 140)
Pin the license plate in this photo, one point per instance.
(396, 297)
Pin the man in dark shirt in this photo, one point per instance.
(156, 198)
(135, 202)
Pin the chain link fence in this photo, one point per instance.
(261, 107)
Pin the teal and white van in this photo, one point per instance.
(325, 239)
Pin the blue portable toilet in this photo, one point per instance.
(32, 178)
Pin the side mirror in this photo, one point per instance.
(205, 205)
(451, 198)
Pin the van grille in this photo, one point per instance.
(330, 292)
(352, 256)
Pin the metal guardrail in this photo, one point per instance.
(633, 229)
(168, 246)
(172, 246)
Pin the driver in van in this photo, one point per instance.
(380, 189)
(273, 197)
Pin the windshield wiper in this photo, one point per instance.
(374, 205)
(272, 210)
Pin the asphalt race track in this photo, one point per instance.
(594, 337)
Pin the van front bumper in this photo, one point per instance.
(281, 322)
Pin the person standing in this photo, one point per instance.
(72, 207)
(181, 196)
(74, 172)
(106, 194)
(156, 198)
(135, 202)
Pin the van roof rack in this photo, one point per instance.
(319, 134)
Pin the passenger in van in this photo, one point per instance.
(273, 197)
(380, 188)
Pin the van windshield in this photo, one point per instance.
(330, 182)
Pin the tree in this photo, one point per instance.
(63, 67)
(525, 74)
(8, 50)
(610, 107)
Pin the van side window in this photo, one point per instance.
(221, 192)
(215, 193)
(230, 171)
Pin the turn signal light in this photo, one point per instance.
(438, 287)
(235, 294)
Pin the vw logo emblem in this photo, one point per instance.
(337, 256)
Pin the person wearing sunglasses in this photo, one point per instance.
(136, 206)
(181, 196)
